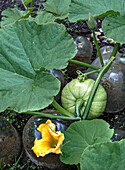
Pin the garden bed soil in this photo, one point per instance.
(116, 121)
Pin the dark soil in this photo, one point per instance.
(116, 120)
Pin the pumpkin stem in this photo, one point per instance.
(42, 114)
(61, 109)
(24, 5)
(83, 64)
(81, 76)
(98, 49)
(78, 106)
(115, 50)
(103, 70)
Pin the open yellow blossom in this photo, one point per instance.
(50, 142)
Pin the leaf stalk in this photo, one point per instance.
(103, 70)
(98, 49)
(78, 106)
(53, 116)
(24, 5)
(62, 110)
(115, 49)
(83, 64)
(92, 72)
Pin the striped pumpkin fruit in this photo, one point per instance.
(76, 93)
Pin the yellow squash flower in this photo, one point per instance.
(50, 142)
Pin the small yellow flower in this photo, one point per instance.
(50, 142)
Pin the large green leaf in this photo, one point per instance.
(81, 135)
(79, 9)
(58, 7)
(25, 47)
(103, 156)
(44, 17)
(11, 15)
(113, 27)
(48, 46)
(24, 93)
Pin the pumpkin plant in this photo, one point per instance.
(28, 46)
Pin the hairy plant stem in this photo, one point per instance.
(53, 116)
(115, 49)
(103, 70)
(83, 64)
(24, 5)
(79, 104)
(92, 72)
(98, 49)
(62, 110)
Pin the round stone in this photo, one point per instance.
(84, 47)
(84, 53)
(10, 144)
(30, 133)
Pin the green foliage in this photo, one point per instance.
(103, 156)
(25, 48)
(35, 46)
(82, 134)
(11, 15)
(23, 93)
(58, 7)
(113, 27)
(75, 10)
(26, 2)
(44, 17)
(79, 9)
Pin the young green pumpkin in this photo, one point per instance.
(76, 93)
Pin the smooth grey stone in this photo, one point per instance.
(10, 143)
